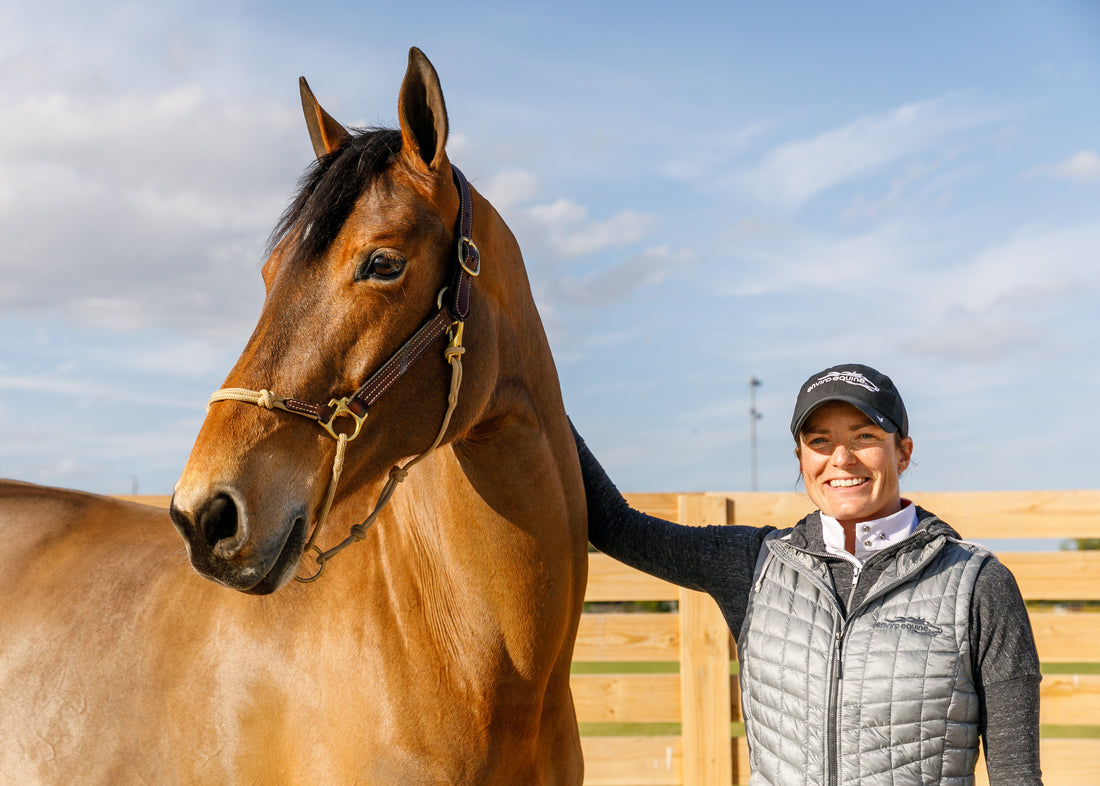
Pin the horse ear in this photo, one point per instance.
(423, 113)
(324, 132)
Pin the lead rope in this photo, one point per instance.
(268, 400)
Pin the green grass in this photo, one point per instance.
(654, 667)
(673, 667)
(738, 730)
(1070, 732)
(1069, 668)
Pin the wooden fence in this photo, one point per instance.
(682, 713)
(680, 725)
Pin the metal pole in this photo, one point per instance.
(754, 416)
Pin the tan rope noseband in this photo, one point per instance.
(453, 307)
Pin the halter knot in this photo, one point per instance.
(267, 399)
(398, 474)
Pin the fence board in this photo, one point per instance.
(977, 515)
(628, 637)
(1016, 514)
(1066, 638)
(626, 698)
(704, 666)
(1070, 699)
(705, 690)
(609, 579)
(629, 761)
(1056, 575)
(663, 505)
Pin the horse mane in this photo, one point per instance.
(328, 190)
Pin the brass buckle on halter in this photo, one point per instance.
(467, 250)
(340, 407)
(454, 333)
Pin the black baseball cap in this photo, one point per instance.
(861, 386)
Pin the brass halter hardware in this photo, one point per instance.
(340, 408)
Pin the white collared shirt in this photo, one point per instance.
(871, 536)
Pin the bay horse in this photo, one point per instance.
(435, 648)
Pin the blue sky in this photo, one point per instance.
(704, 193)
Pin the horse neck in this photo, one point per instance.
(470, 560)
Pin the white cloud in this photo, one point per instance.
(131, 209)
(899, 286)
(1081, 167)
(963, 334)
(570, 232)
(1036, 265)
(795, 173)
(713, 150)
(784, 260)
(508, 189)
(558, 213)
(70, 387)
(619, 280)
(1005, 301)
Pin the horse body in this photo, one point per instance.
(437, 649)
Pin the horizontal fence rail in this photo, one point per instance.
(656, 692)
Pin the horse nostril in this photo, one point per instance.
(219, 523)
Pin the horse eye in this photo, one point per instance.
(383, 264)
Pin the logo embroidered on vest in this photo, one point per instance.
(914, 624)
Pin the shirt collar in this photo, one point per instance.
(871, 536)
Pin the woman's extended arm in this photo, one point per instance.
(719, 560)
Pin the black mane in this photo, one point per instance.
(328, 190)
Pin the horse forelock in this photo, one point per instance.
(328, 191)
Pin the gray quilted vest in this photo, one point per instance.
(885, 696)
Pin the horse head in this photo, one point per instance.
(371, 249)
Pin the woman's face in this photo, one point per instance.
(851, 466)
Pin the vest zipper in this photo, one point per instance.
(832, 741)
(832, 736)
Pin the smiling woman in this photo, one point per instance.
(929, 632)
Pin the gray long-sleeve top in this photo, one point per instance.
(720, 561)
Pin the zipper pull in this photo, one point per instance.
(839, 655)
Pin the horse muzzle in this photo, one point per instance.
(223, 545)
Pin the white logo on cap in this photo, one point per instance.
(849, 377)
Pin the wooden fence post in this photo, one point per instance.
(704, 668)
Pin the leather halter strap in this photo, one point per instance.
(453, 308)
